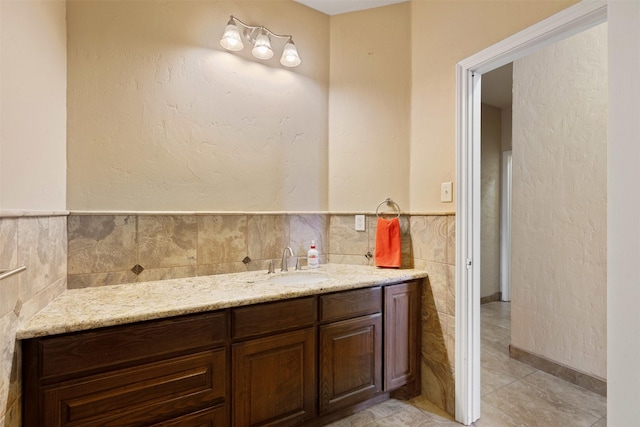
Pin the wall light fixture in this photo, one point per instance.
(260, 38)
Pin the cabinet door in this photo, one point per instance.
(350, 362)
(274, 379)
(401, 334)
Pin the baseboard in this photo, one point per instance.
(571, 375)
(491, 298)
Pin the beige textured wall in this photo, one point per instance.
(33, 75)
(445, 32)
(491, 156)
(32, 175)
(185, 126)
(162, 118)
(370, 108)
(559, 246)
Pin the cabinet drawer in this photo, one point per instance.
(84, 352)
(272, 317)
(216, 417)
(349, 304)
(140, 395)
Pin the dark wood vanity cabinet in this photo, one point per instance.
(159, 372)
(285, 363)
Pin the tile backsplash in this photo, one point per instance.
(105, 249)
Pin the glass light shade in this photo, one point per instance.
(290, 57)
(231, 39)
(262, 48)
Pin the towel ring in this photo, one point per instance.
(389, 202)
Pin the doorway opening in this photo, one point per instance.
(571, 21)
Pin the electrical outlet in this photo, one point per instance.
(446, 192)
(360, 223)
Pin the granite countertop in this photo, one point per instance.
(89, 308)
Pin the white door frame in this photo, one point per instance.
(566, 23)
(505, 228)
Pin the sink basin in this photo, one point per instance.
(299, 278)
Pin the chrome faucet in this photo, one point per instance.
(284, 258)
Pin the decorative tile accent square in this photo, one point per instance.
(137, 269)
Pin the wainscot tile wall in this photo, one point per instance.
(111, 249)
(40, 244)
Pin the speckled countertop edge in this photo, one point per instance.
(90, 308)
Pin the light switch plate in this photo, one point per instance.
(360, 223)
(446, 192)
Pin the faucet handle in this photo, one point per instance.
(272, 268)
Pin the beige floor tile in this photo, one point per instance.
(441, 417)
(361, 419)
(565, 393)
(496, 314)
(492, 380)
(514, 394)
(345, 422)
(410, 417)
(496, 309)
(497, 360)
(490, 348)
(390, 407)
(531, 407)
(505, 343)
(490, 416)
(375, 413)
(494, 333)
(429, 407)
(496, 320)
(444, 422)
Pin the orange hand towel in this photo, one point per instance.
(388, 246)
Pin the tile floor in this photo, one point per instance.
(513, 394)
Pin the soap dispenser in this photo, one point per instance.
(312, 256)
